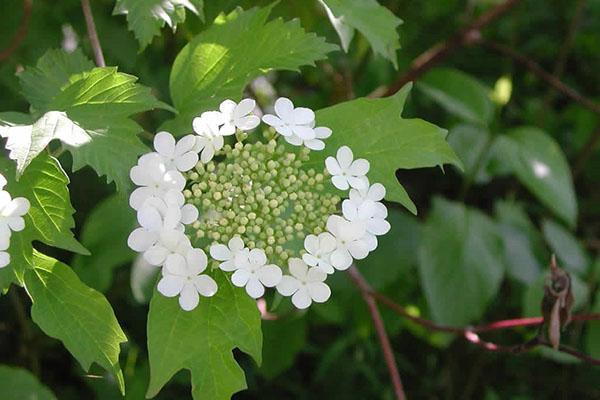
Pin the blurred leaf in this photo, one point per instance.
(460, 94)
(374, 21)
(146, 17)
(18, 383)
(105, 235)
(538, 162)
(521, 242)
(25, 142)
(40, 84)
(568, 250)
(217, 64)
(202, 340)
(470, 142)
(393, 142)
(50, 217)
(285, 338)
(395, 253)
(66, 309)
(460, 262)
(592, 338)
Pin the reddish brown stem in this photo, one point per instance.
(441, 51)
(92, 34)
(21, 32)
(386, 347)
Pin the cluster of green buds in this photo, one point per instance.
(260, 191)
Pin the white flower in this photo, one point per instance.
(176, 155)
(4, 256)
(11, 216)
(304, 285)
(237, 116)
(157, 215)
(319, 250)
(371, 214)
(209, 139)
(350, 241)
(155, 180)
(169, 242)
(291, 121)
(255, 274)
(233, 256)
(346, 172)
(182, 275)
(314, 144)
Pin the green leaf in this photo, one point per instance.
(25, 142)
(539, 164)
(374, 21)
(105, 234)
(285, 338)
(522, 243)
(470, 142)
(146, 17)
(395, 253)
(40, 84)
(568, 250)
(18, 383)
(375, 130)
(202, 340)
(50, 217)
(80, 317)
(460, 262)
(459, 94)
(219, 62)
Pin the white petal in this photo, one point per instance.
(205, 285)
(311, 243)
(301, 299)
(141, 240)
(340, 182)
(240, 277)
(341, 259)
(244, 108)
(156, 255)
(185, 144)
(258, 257)
(315, 144)
(333, 223)
(150, 218)
(139, 196)
(298, 268)
(236, 243)
(17, 207)
(140, 177)
(288, 285)
(196, 260)
(344, 157)
(17, 224)
(2, 181)
(186, 161)
(378, 226)
(254, 288)
(189, 214)
(333, 167)
(303, 116)
(284, 108)
(303, 132)
(284, 130)
(228, 266)
(293, 140)
(170, 285)
(376, 192)
(247, 123)
(319, 292)
(358, 182)
(207, 154)
(270, 275)
(174, 180)
(189, 299)
(358, 249)
(227, 129)
(175, 264)
(315, 275)
(327, 242)
(349, 210)
(164, 144)
(4, 259)
(370, 241)
(220, 252)
(227, 107)
(311, 260)
(359, 167)
(272, 120)
(322, 132)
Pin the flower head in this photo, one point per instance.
(182, 275)
(347, 172)
(255, 274)
(291, 121)
(237, 116)
(305, 285)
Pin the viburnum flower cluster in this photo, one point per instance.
(254, 205)
(11, 219)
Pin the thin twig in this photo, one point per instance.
(386, 347)
(92, 34)
(21, 31)
(542, 74)
(441, 51)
